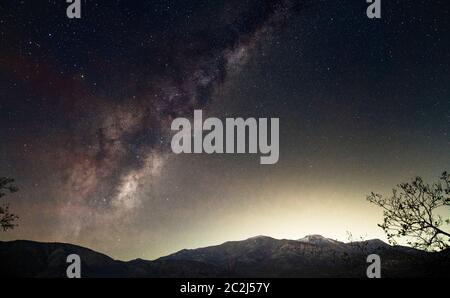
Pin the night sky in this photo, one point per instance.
(86, 107)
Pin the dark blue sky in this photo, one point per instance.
(86, 106)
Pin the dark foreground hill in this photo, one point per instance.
(312, 256)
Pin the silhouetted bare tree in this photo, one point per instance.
(418, 212)
(7, 219)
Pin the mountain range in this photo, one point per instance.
(256, 257)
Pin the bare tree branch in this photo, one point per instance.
(7, 219)
(411, 212)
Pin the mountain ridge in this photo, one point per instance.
(260, 256)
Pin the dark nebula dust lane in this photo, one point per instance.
(106, 135)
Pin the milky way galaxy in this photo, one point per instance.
(121, 147)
